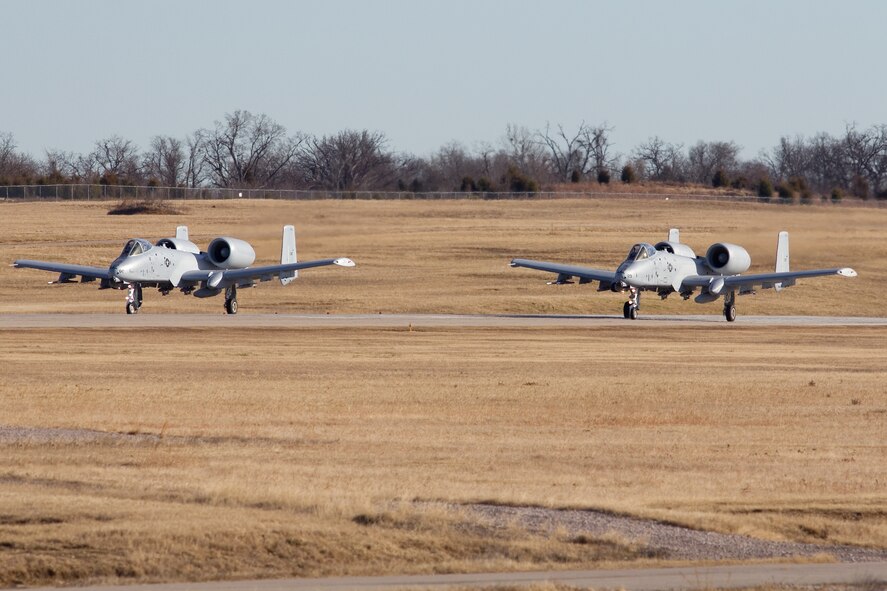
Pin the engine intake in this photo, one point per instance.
(230, 253)
(727, 259)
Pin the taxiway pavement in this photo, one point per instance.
(159, 320)
(644, 579)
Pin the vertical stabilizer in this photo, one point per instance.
(182, 233)
(288, 254)
(782, 264)
(674, 235)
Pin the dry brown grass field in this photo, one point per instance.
(258, 453)
(452, 256)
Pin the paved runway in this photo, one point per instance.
(702, 577)
(149, 320)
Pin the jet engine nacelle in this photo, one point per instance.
(727, 259)
(676, 248)
(230, 253)
(179, 244)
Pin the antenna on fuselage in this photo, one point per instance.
(674, 235)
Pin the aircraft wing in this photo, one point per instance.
(565, 272)
(66, 272)
(762, 280)
(267, 273)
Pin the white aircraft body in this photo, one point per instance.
(672, 267)
(177, 263)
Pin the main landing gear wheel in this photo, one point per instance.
(730, 307)
(131, 308)
(730, 313)
(633, 313)
(231, 300)
(626, 309)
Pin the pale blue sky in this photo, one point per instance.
(429, 72)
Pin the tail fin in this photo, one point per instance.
(288, 254)
(182, 232)
(674, 235)
(782, 261)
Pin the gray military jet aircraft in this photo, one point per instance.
(177, 263)
(672, 267)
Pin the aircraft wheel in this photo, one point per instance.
(730, 313)
(626, 310)
(132, 308)
(633, 313)
(231, 306)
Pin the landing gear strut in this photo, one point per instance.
(730, 306)
(231, 299)
(134, 298)
(631, 307)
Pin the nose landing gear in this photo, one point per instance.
(631, 307)
(134, 298)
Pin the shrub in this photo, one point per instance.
(859, 187)
(720, 179)
(484, 184)
(603, 176)
(468, 185)
(628, 174)
(575, 176)
(785, 191)
(518, 182)
(837, 195)
(765, 188)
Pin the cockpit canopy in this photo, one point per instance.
(134, 247)
(639, 251)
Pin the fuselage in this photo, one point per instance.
(148, 264)
(648, 268)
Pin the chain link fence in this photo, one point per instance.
(125, 193)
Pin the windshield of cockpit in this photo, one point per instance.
(640, 251)
(134, 247)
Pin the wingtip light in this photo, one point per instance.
(344, 262)
(847, 272)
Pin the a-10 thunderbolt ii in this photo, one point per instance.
(672, 267)
(177, 263)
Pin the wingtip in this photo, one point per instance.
(847, 272)
(344, 262)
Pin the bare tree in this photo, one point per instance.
(165, 161)
(790, 159)
(827, 163)
(567, 153)
(117, 159)
(866, 153)
(247, 150)
(14, 166)
(704, 159)
(349, 160)
(71, 166)
(195, 160)
(663, 161)
(596, 143)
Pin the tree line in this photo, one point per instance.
(243, 150)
